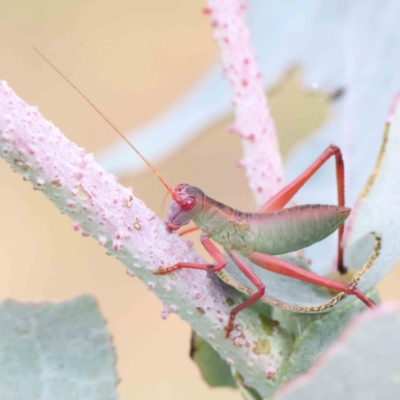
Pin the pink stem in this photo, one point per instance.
(253, 121)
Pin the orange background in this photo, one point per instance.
(133, 59)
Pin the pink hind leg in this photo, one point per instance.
(253, 298)
(282, 267)
(280, 199)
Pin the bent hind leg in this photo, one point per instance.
(280, 199)
(286, 268)
(253, 298)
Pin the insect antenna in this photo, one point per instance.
(107, 120)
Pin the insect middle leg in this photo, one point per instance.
(212, 250)
(280, 199)
(283, 267)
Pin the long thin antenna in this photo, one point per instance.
(107, 120)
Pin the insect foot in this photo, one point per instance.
(172, 228)
(366, 300)
(229, 327)
(228, 330)
(163, 271)
(160, 271)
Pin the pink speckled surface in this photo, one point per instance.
(253, 121)
(72, 179)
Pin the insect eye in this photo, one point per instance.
(187, 204)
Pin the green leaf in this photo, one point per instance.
(318, 335)
(214, 370)
(363, 364)
(56, 352)
(246, 392)
(378, 205)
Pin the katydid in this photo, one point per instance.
(272, 230)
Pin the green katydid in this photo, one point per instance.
(272, 230)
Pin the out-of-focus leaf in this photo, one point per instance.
(55, 352)
(378, 207)
(318, 335)
(246, 392)
(214, 370)
(363, 365)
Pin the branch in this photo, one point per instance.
(105, 210)
(253, 122)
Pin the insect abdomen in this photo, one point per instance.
(297, 227)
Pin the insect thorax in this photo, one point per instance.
(228, 227)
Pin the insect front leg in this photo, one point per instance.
(286, 268)
(212, 250)
(253, 298)
(188, 230)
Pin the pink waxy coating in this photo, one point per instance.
(253, 121)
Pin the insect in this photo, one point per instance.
(259, 236)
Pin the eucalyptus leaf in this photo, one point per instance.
(247, 393)
(55, 352)
(364, 364)
(378, 206)
(318, 335)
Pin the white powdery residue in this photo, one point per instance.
(40, 182)
(166, 311)
(253, 121)
(102, 240)
(130, 273)
(151, 285)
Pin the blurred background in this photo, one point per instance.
(133, 59)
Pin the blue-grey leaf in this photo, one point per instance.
(246, 392)
(55, 352)
(363, 365)
(317, 336)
